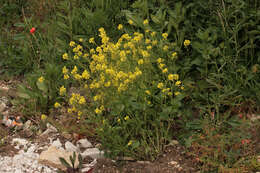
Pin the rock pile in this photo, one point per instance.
(44, 156)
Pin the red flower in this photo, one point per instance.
(245, 141)
(32, 30)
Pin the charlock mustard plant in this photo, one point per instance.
(132, 86)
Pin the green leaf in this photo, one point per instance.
(64, 162)
(80, 161)
(23, 92)
(41, 86)
(135, 144)
(19, 25)
(188, 142)
(20, 36)
(72, 159)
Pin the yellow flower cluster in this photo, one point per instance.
(41, 79)
(186, 43)
(62, 90)
(77, 99)
(120, 66)
(57, 105)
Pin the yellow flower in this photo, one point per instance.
(165, 48)
(66, 76)
(62, 90)
(146, 22)
(145, 53)
(166, 90)
(153, 34)
(170, 77)
(43, 117)
(98, 111)
(82, 100)
(140, 61)
(178, 83)
(154, 42)
(159, 60)
(130, 143)
(175, 76)
(57, 105)
(149, 47)
(79, 53)
(118, 120)
(161, 65)
(85, 74)
(164, 35)
(174, 54)
(92, 51)
(122, 53)
(107, 84)
(41, 79)
(72, 43)
(147, 41)
(64, 70)
(75, 49)
(186, 43)
(91, 40)
(77, 76)
(160, 85)
(182, 87)
(96, 97)
(148, 92)
(177, 93)
(85, 55)
(79, 113)
(126, 118)
(65, 56)
(165, 70)
(120, 27)
(76, 57)
(74, 70)
(123, 59)
(130, 22)
(69, 110)
(81, 40)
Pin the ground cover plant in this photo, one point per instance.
(137, 74)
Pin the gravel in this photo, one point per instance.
(25, 161)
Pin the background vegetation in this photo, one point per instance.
(219, 71)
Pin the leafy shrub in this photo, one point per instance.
(132, 89)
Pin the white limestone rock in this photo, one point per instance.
(57, 143)
(52, 155)
(70, 147)
(84, 143)
(94, 153)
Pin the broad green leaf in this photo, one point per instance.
(41, 86)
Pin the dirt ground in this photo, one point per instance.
(173, 160)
